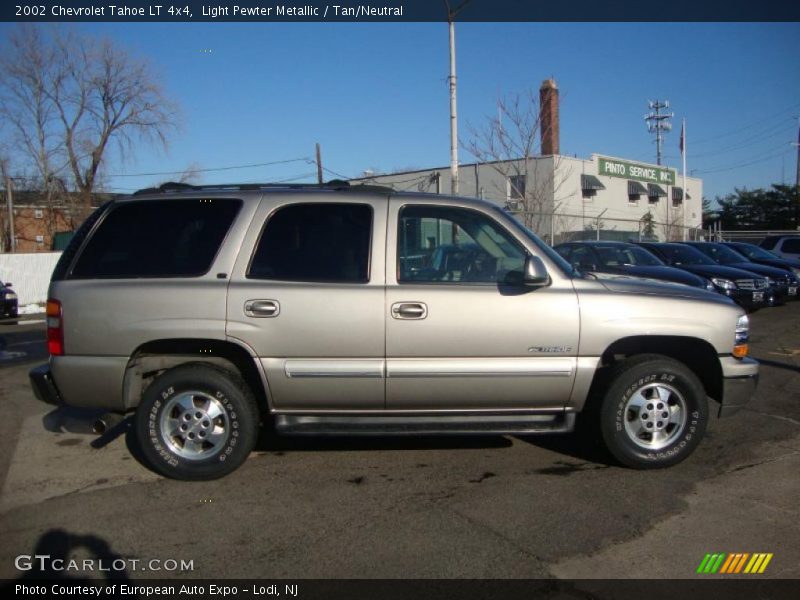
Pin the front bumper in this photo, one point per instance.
(8, 308)
(740, 378)
(747, 298)
(43, 385)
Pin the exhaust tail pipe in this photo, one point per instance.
(106, 422)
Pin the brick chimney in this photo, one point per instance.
(548, 116)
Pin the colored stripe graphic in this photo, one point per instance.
(735, 563)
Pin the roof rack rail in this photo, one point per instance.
(334, 184)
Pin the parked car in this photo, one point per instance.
(299, 304)
(783, 246)
(8, 301)
(623, 258)
(781, 282)
(763, 257)
(746, 288)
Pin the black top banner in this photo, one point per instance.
(400, 11)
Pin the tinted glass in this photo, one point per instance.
(685, 255)
(454, 245)
(791, 245)
(754, 252)
(157, 238)
(722, 254)
(613, 256)
(315, 242)
(544, 248)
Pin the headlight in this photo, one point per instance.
(710, 286)
(725, 284)
(796, 272)
(11, 296)
(741, 337)
(770, 281)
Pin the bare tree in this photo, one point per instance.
(671, 218)
(67, 99)
(509, 143)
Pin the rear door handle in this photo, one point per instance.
(262, 308)
(409, 310)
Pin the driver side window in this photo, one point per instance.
(453, 245)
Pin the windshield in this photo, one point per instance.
(724, 255)
(753, 251)
(551, 254)
(614, 256)
(685, 255)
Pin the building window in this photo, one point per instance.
(677, 196)
(40, 239)
(635, 190)
(590, 185)
(38, 214)
(516, 187)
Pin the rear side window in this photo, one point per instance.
(315, 242)
(157, 238)
(792, 245)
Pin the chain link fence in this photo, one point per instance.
(556, 228)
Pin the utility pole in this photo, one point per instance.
(797, 181)
(453, 111)
(12, 239)
(319, 166)
(658, 123)
(451, 15)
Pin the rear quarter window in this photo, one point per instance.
(157, 238)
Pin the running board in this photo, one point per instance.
(486, 424)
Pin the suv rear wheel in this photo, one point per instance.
(197, 421)
(654, 412)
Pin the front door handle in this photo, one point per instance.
(262, 308)
(409, 310)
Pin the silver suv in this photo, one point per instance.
(358, 310)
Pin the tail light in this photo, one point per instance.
(55, 328)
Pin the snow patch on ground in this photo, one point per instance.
(31, 309)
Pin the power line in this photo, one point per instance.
(745, 127)
(744, 164)
(231, 168)
(332, 172)
(778, 130)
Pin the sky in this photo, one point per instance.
(375, 95)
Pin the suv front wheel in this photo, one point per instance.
(197, 421)
(654, 412)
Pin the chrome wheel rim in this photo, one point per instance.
(655, 416)
(194, 425)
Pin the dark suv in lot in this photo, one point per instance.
(8, 301)
(781, 282)
(763, 257)
(745, 288)
(622, 258)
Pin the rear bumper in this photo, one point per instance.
(43, 385)
(740, 378)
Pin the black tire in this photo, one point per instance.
(654, 412)
(210, 405)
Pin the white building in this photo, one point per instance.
(564, 197)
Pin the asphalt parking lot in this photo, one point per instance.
(495, 507)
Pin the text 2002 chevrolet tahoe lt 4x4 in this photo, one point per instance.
(339, 310)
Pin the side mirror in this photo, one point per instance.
(535, 272)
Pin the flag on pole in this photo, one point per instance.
(683, 133)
